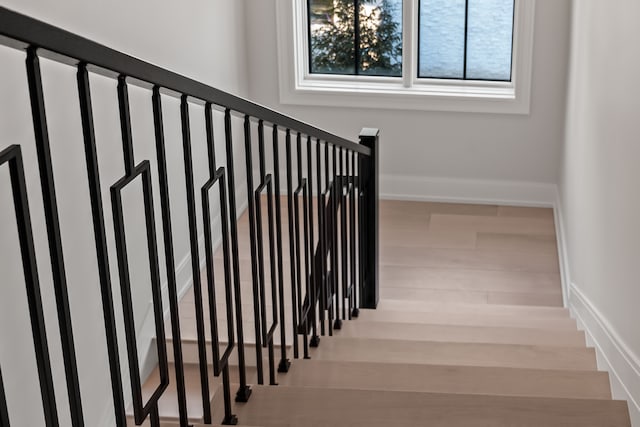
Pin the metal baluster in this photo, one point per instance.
(220, 365)
(352, 228)
(328, 240)
(195, 259)
(336, 194)
(346, 294)
(260, 330)
(141, 411)
(284, 364)
(165, 206)
(268, 338)
(292, 243)
(321, 271)
(49, 200)
(244, 391)
(313, 297)
(296, 282)
(302, 186)
(13, 155)
(102, 252)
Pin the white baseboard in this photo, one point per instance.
(614, 356)
(563, 253)
(514, 193)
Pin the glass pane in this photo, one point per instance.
(441, 39)
(380, 38)
(489, 39)
(331, 36)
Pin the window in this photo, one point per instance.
(447, 55)
(342, 41)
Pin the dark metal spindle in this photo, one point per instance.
(321, 274)
(49, 199)
(141, 411)
(259, 328)
(244, 391)
(220, 364)
(284, 364)
(13, 155)
(302, 187)
(102, 252)
(195, 259)
(352, 228)
(335, 267)
(295, 295)
(346, 294)
(327, 235)
(165, 206)
(313, 297)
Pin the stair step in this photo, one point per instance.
(492, 309)
(454, 333)
(469, 319)
(463, 354)
(298, 406)
(168, 403)
(448, 379)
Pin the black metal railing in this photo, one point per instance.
(331, 231)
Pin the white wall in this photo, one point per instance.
(203, 40)
(457, 148)
(600, 199)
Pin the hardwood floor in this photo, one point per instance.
(469, 331)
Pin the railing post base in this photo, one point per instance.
(243, 394)
(355, 312)
(230, 421)
(337, 324)
(284, 366)
(314, 342)
(369, 173)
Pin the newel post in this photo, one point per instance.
(369, 173)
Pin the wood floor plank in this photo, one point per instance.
(468, 319)
(468, 334)
(298, 406)
(552, 299)
(465, 258)
(488, 224)
(392, 276)
(449, 379)
(530, 243)
(519, 311)
(458, 354)
(525, 212)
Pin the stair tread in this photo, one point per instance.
(447, 353)
(462, 333)
(470, 319)
(494, 309)
(334, 407)
(448, 379)
(168, 403)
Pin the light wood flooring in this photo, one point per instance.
(470, 331)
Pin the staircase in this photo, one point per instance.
(472, 334)
(316, 304)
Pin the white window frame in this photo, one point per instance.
(299, 87)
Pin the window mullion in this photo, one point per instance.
(466, 34)
(356, 36)
(409, 57)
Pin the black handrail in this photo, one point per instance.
(75, 49)
(329, 276)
